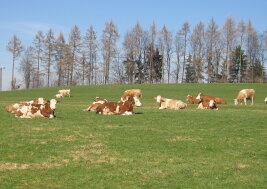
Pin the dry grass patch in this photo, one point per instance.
(44, 129)
(16, 166)
(181, 138)
(241, 166)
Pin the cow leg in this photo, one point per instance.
(252, 100)
(245, 101)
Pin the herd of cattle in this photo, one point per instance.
(41, 107)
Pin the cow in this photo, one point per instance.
(207, 105)
(192, 100)
(64, 92)
(204, 97)
(265, 100)
(58, 96)
(120, 108)
(135, 93)
(37, 110)
(165, 103)
(96, 102)
(244, 95)
(13, 107)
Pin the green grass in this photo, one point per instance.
(152, 149)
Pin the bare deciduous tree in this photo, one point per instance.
(15, 47)
(75, 45)
(229, 36)
(197, 44)
(90, 48)
(165, 43)
(38, 53)
(26, 67)
(212, 37)
(109, 38)
(184, 32)
(49, 47)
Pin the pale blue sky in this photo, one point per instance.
(25, 17)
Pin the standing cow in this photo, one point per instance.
(244, 95)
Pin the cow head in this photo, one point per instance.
(158, 99)
(212, 104)
(137, 101)
(236, 101)
(53, 103)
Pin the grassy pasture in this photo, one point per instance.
(152, 149)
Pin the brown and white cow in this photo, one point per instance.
(244, 95)
(192, 100)
(121, 108)
(204, 97)
(207, 105)
(165, 103)
(64, 92)
(37, 110)
(13, 107)
(96, 102)
(135, 93)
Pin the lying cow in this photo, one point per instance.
(121, 108)
(64, 92)
(204, 97)
(192, 100)
(244, 95)
(165, 103)
(96, 102)
(58, 96)
(35, 110)
(135, 93)
(207, 105)
(13, 107)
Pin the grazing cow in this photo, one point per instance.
(207, 105)
(37, 110)
(135, 93)
(64, 92)
(265, 100)
(244, 95)
(192, 100)
(97, 101)
(121, 108)
(13, 107)
(204, 97)
(165, 103)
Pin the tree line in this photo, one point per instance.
(199, 54)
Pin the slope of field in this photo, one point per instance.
(151, 149)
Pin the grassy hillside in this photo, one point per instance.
(152, 149)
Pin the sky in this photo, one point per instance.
(25, 17)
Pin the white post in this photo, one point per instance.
(1, 69)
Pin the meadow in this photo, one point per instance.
(152, 149)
